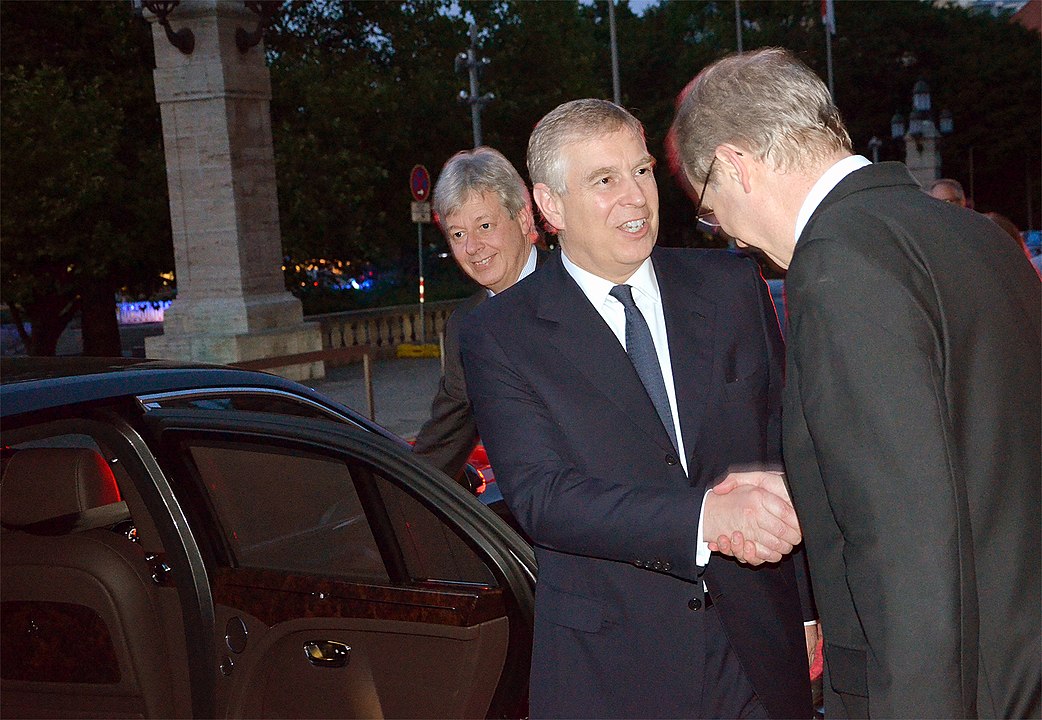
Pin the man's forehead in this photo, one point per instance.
(609, 152)
(476, 203)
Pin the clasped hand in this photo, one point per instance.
(750, 517)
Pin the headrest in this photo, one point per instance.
(44, 483)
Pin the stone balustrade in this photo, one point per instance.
(383, 329)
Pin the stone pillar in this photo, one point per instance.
(922, 158)
(231, 303)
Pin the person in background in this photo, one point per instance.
(612, 390)
(485, 211)
(1011, 229)
(913, 399)
(948, 190)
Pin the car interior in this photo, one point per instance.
(84, 621)
(336, 591)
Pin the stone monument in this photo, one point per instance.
(922, 156)
(232, 304)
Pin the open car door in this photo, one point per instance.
(349, 579)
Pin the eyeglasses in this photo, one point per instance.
(706, 217)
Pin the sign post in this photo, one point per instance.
(420, 185)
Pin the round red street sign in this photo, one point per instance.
(420, 183)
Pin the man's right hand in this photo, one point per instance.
(749, 517)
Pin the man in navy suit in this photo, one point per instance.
(613, 388)
(913, 398)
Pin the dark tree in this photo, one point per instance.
(84, 211)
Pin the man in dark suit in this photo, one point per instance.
(912, 399)
(484, 208)
(612, 388)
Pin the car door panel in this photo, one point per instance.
(410, 650)
(436, 642)
(393, 669)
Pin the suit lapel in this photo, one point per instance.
(585, 341)
(689, 323)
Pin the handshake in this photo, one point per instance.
(750, 517)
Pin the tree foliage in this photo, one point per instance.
(84, 209)
(362, 91)
(384, 98)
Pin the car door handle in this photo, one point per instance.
(327, 653)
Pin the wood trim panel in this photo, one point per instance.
(43, 641)
(275, 597)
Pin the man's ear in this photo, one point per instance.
(548, 203)
(527, 223)
(736, 165)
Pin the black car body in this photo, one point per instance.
(210, 542)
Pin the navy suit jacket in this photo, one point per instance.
(591, 475)
(448, 437)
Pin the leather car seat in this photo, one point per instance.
(80, 623)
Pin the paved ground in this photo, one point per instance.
(402, 391)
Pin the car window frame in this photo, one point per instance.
(151, 402)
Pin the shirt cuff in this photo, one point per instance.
(702, 551)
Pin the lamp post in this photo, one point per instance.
(921, 135)
(470, 61)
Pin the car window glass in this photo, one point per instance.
(432, 550)
(295, 511)
(289, 511)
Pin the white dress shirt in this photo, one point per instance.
(527, 270)
(824, 185)
(649, 301)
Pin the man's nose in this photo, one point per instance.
(473, 244)
(634, 193)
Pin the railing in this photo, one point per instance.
(384, 329)
(379, 330)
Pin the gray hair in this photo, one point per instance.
(768, 101)
(479, 170)
(567, 123)
(950, 183)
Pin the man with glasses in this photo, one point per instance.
(613, 388)
(912, 398)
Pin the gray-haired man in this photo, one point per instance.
(484, 209)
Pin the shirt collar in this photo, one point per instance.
(527, 270)
(597, 289)
(824, 185)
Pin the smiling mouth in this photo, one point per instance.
(634, 225)
(483, 262)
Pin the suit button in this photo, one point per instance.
(639, 563)
(667, 566)
(656, 565)
(672, 460)
(694, 603)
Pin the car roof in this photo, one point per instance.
(29, 384)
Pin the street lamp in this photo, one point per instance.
(183, 39)
(921, 134)
(470, 61)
